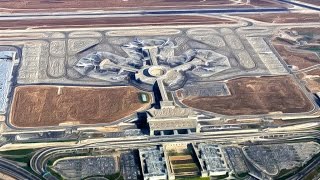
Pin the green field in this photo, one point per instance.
(189, 165)
(175, 153)
(21, 155)
(183, 163)
(17, 152)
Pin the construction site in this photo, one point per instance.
(197, 68)
(255, 96)
(35, 106)
(159, 89)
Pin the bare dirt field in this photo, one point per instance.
(314, 72)
(255, 96)
(112, 22)
(312, 79)
(313, 84)
(301, 59)
(35, 106)
(266, 3)
(284, 17)
(74, 5)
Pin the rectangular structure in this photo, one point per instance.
(172, 119)
(153, 163)
(211, 159)
(6, 66)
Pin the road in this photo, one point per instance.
(305, 171)
(39, 161)
(15, 171)
(301, 4)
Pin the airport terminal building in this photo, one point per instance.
(172, 120)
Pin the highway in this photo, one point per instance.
(15, 171)
(305, 171)
(39, 160)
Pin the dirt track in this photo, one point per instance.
(35, 106)
(256, 96)
(112, 22)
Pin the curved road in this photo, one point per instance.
(39, 160)
(15, 171)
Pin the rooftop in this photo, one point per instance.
(171, 112)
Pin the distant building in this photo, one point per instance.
(179, 160)
(153, 163)
(211, 159)
(26, 137)
(7, 62)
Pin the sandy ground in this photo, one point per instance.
(35, 106)
(255, 96)
(315, 72)
(285, 17)
(300, 55)
(6, 177)
(313, 84)
(312, 79)
(299, 58)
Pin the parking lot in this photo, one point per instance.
(79, 168)
(130, 166)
